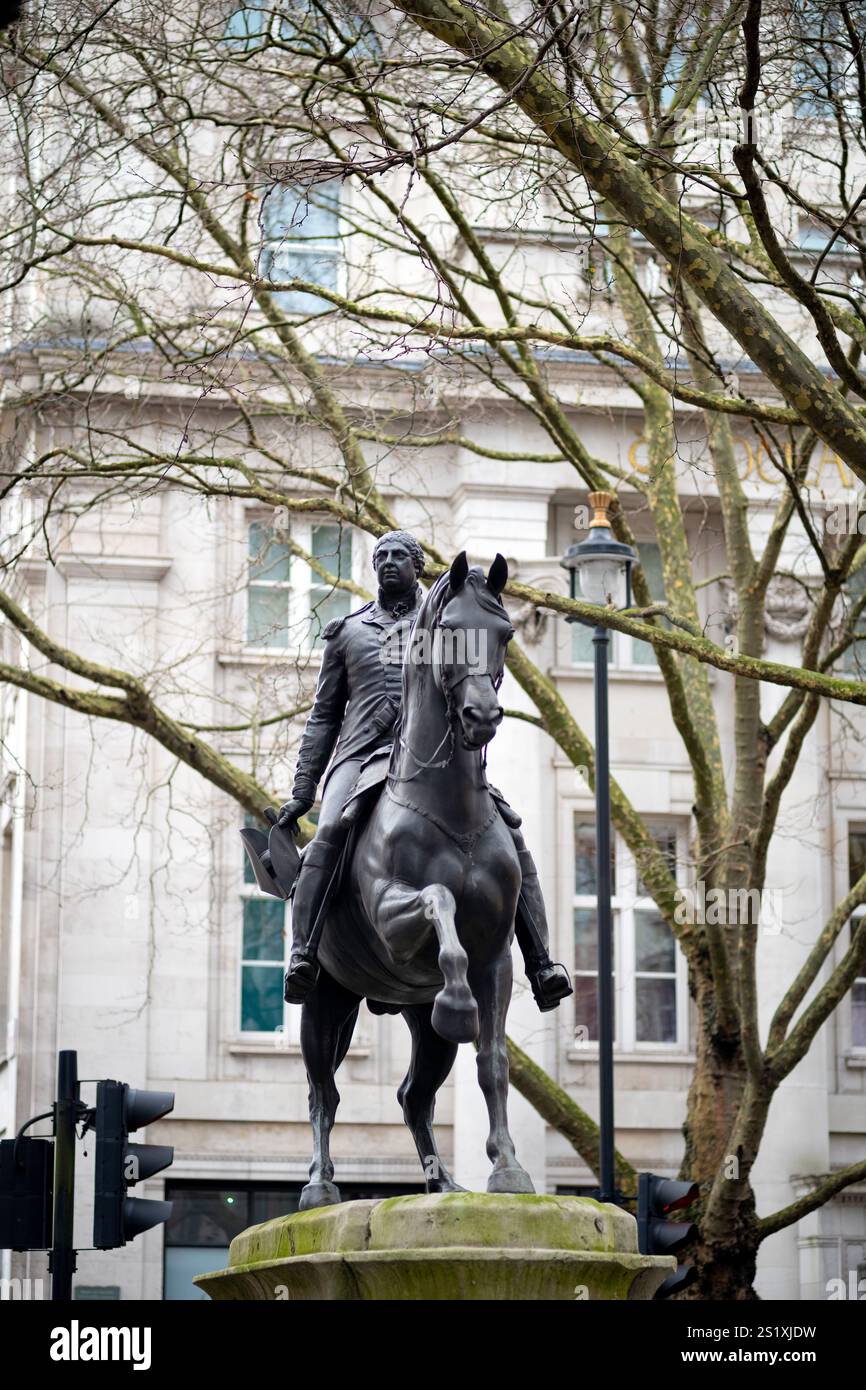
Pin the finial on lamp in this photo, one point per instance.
(601, 502)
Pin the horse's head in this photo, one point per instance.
(472, 636)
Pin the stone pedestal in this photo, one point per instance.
(458, 1245)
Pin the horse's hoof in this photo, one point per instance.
(510, 1180)
(455, 1017)
(319, 1194)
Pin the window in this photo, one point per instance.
(206, 1217)
(331, 548)
(600, 267)
(856, 868)
(268, 588)
(301, 241)
(290, 599)
(649, 969)
(586, 928)
(247, 28)
(812, 236)
(681, 67)
(304, 27)
(640, 652)
(265, 943)
(262, 965)
(854, 657)
(623, 651)
(307, 29)
(820, 71)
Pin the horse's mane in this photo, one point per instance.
(428, 616)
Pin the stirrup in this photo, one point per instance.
(550, 985)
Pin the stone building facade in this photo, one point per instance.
(130, 932)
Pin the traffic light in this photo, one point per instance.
(26, 1193)
(120, 1111)
(656, 1198)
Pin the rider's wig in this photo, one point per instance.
(402, 538)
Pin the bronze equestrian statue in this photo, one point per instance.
(414, 902)
(356, 706)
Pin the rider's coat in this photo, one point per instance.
(358, 693)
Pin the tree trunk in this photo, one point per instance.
(726, 1268)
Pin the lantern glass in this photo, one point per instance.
(603, 580)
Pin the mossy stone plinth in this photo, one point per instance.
(457, 1245)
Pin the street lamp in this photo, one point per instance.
(601, 567)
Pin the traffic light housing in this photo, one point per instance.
(657, 1198)
(26, 1193)
(120, 1111)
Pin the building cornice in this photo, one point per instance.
(113, 567)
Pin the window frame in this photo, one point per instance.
(625, 906)
(302, 586)
(318, 591)
(858, 827)
(366, 41)
(288, 1033)
(852, 661)
(270, 523)
(293, 241)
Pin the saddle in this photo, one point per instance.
(368, 786)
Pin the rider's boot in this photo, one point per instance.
(317, 868)
(549, 982)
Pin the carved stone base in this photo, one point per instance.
(455, 1245)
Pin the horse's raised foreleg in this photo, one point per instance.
(492, 986)
(432, 1060)
(403, 918)
(327, 1023)
(455, 1012)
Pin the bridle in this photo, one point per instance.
(446, 688)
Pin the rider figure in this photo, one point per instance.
(357, 702)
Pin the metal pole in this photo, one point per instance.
(62, 1261)
(607, 1183)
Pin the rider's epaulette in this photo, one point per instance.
(333, 627)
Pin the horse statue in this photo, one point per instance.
(423, 920)
(419, 915)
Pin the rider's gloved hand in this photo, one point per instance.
(292, 811)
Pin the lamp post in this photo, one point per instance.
(601, 567)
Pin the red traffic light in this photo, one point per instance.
(691, 1192)
(657, 1197)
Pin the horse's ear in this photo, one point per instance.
(497, 575)
(459, 571)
